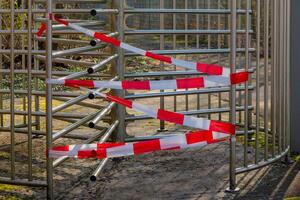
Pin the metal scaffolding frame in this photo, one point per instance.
(239, 34)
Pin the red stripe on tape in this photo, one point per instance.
(170, 116)
(146, 146)
(222, 127)
(209, 69)
(190, 83)
(239, 77)
(86, 154)
(82, 83)
(159, 57)
(121, 101)
(199, 136)
(215, 141)
(64, 22)
(109, 145)
(61, 148)
(41, 30)
(107, 39)
(137, 85)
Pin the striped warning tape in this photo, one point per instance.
(209, 69)
(111, 150)
(184, 83)
(222, 128)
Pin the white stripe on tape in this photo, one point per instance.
(173, 142)
(195, 122)
(215, 81)
(218, 135)
(226, 72)
(183, 63)
(83, 30)
(73, 149)
(133, 49)
(164, 84)
(55, 81)
(152, 112)
(119, 151)
(108, 84)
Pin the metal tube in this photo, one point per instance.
(60, 160)
(49, 161)
(232, 175)
(101, 64)
(12, 92)
(246, 112)
(76, 100)
(72, 127)
(106, 136)
(29, 97)
(266, 77)
(99, 117)
(258, 34)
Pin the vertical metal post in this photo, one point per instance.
(29, 93)
(219, 57)
(49, 99)
(12, 89)
(120, 110)
(246, 112)
(162, 46)
(273, 75)
(174, 46)
(1, 67)
(288, 77)
(266, 76)
(232, 175)
(258, 32)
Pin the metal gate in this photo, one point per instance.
(241, 34)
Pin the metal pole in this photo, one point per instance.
(49, 161)
(29, 96)
(258, 34)
(266, 76)
(12, 89)
(232, 175)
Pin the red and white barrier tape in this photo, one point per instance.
(222, 128)
(184, 83)
(201, 67)
(111, 150)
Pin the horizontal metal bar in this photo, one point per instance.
(195, 51)
(42, 133)
(60, 11)
(168, 73)
(185, 92)
(23, 182)
(66, 61)
(262, 163)
(178, 32)
(42, 74)
(73, 1)
(192, 112)
(62, 40)
(42, 114)
(185, 11)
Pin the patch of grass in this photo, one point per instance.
(296, 157)
(5, 187)
(4, 155)
(292, 198)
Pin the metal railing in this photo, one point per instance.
(240, 34)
